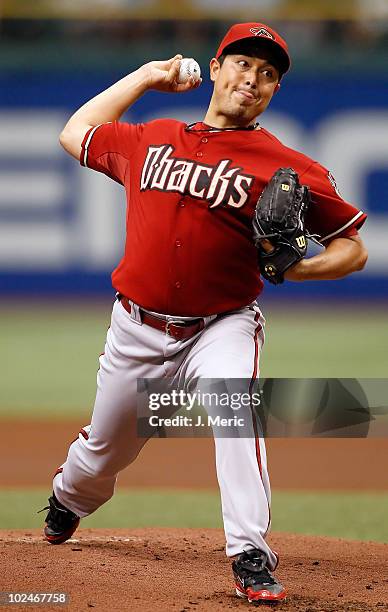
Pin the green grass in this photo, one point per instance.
(50, 360)
(345, 342)
(359, 516)
(49, 355)
(128, 508)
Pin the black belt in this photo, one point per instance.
(178, 329)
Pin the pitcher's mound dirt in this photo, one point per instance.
(184, 570)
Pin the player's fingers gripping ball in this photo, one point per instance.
(189, 68)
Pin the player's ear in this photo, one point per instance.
(277, 88)
(214, 68)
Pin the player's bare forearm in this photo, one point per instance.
(341, 257)
(112, 103)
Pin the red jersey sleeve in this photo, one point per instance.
(329, 215)
(108, 148)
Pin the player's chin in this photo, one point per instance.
(246, 114)
(248, 110)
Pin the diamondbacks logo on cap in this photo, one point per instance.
(262, 32)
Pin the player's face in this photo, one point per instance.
(243, 86)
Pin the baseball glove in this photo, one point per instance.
(279, 217)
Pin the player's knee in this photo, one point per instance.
(108, 465)
(102, 461)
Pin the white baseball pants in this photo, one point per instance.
(228, 347)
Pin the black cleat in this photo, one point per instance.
(254, 580)
(61, 523)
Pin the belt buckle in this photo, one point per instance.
(173, 322)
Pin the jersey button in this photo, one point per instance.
(178, 243)
(199, 154)
(204, 140)
(178, 285)
(182, 205)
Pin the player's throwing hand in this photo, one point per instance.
(163, 76)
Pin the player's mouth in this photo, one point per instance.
(246, 96)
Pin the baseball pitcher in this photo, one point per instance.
(213, 208)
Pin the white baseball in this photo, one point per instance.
(189, 68)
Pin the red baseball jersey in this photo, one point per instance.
(191, 196)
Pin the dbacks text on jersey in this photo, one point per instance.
(219, 184)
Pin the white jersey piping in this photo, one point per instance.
(87, 143)
(344, 227)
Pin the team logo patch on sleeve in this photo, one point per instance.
(334, 184)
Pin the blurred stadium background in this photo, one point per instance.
(62, 227)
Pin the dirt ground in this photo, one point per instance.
(30, 452)
(183, 570)
(186, 570)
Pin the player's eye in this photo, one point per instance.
(269, 73)
(243, 63)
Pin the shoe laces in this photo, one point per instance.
(52, 506)
(56, 513)
(254, 562)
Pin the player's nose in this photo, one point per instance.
(251, 81)
(251, 87)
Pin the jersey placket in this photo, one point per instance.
(181, 243)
